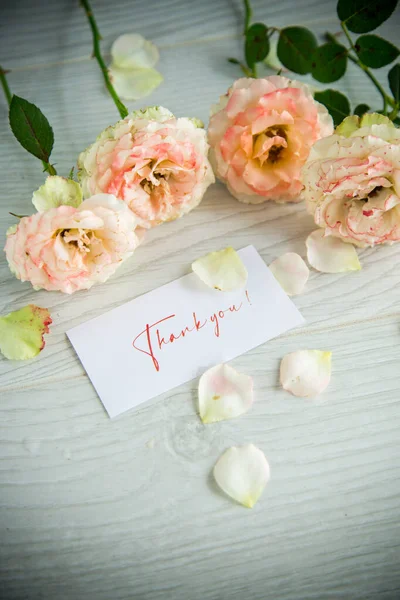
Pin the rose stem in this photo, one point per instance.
(7, 92)
(248, 15)
(386, 99)
(123, 111)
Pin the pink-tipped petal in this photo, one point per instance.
(22, 332)
(242, 472)
(224, 394)
(329, 254)
(291, 272)
(306, 373)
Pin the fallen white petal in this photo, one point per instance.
(132, 84)
(242, 472)
(330, 254)
(222, 270)
(291, 272)
(133, 51)
(224, 393)
(306, 372)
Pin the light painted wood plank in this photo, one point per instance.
(40, 33)
(53, 32)
(89, 510)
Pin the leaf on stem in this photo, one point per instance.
(375, 52)
(257, 44)
(336, 103)
(362, 16)
(394, 82)
(31, 128)
(361, 109)
(295, 48)
(329, 62)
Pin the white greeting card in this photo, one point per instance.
(174, 333)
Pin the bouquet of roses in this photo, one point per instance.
(269, 138)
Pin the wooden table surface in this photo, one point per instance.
(97, 509)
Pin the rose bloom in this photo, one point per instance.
(151, 160)
(352, 181)
(260, 135)
(69, 248)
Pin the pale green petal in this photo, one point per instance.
(57, 191)
(369, 119)
(133, 51)
(197, 122)
(11, 230)
(348, 126)
(132, 84)
(152, 113)
(22, 331)
(222, 270)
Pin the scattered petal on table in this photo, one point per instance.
(330, 254)
(133, 51)
(22, 332)
(132, 84)
(222, 270)
(224, 393)
(291, 272)
(57, 191)
(242, 472)
(306, 372)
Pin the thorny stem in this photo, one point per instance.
(123, 111)
(7, 92)
(386, 99)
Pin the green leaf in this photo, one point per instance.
(256, 47)
(234, 61)
(362, 16)
(31, 128)
(375, 52)
(394, 82)
(361, 109)
(295, 48)
(22, 331)
(336, 103)
(329, 62)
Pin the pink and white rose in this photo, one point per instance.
(70, 248)
(261, 133)
(352, 181)
(157, 164)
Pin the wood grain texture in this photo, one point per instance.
(89, 509)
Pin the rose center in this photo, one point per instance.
(81, 239)
(269, 146)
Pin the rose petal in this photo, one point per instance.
(224, 393)
(306, 372)
(22, 331)
(291, 272)
(132, 51)
(222, 270)
(329, 254)
(57, 191)
(242, 473)
(132, 84)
